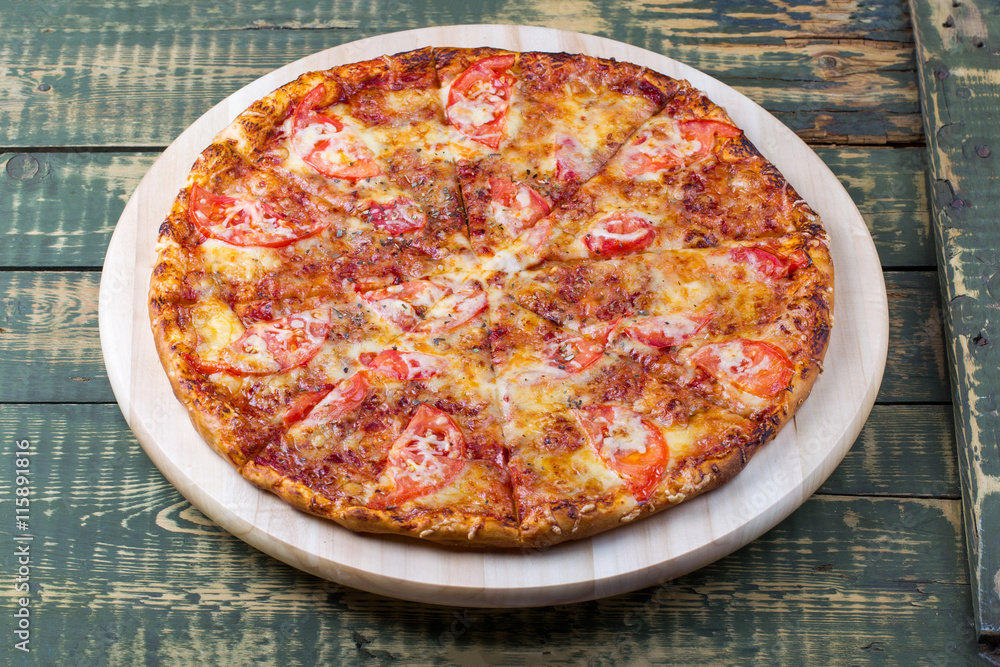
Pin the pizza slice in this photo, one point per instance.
(528, 128)
(409, 442)
(595, 439)
(742, 303)
(687, 178)
(664, 299)
(369, 137)
(243, 232)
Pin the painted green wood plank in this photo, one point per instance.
(126, 572)
(49, 341)
(903, 450)
(915, 369)
(60, 208)
(889, 187)
(738, 20)
(958, 54)
(50, 347)
(141, 88)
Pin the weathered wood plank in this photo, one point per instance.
(959, 60)
(762, 20)
(915, 369)
(49, 340)
(903, 450)
(141, 89)
(60, 208)
(50, 346)
(140, 577)
(889, 186)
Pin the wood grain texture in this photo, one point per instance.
(889, 186)
(61, 207)
(916, 370)
(139, 576)
(74, 88)
(958, 52)
(762, 20)
(903, 451)
(49, 341)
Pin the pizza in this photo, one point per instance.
(489, 298)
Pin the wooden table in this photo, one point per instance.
(872, 569)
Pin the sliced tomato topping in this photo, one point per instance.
(571, 164)
(754, 366)
(479, 99)
(428, 454)
(629, 444)
(516, 206)
(455, 310)
(405, 304)
(327, 145)
(244, 222)
(573, 354)
(399, 216)
(705, 132)
(670, 144)
(278, 345)
(303, 405)
(769, 264)
(406, 365)
(668, 330)
(326, 405)
(619, 234)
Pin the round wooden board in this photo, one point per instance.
(779, 478)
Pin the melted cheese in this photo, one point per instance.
(627, 435)
(241, 263)
(216, 325)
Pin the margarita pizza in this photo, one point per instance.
(489, 298)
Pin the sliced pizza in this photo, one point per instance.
(528, 128)
(596, 438)
(407, 440)
(687, 178)
(369, 137)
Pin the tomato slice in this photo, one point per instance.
(571, 164)
(573, 354)
(244, 222)
(453, 311)
(754, 366)
(705, 132)
(328, 145)
(406, 365)
(516, 206)
(303, 405)
(668, 330)
(399, 216)
(278, 345)
(405, 304)
(670, 144)
(769, 264)
(321, 407)
(479, 99)
(619, 234)
(629, 444)
(428, 454)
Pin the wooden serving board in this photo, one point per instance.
(778, 479)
